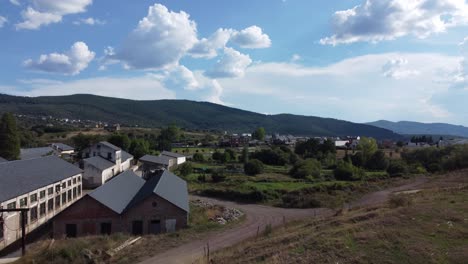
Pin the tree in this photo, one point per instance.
(306, 168)
(185, 169)
(9, 138)
(168, 136)
(377, 161)
(368, 146)
(82, 141)
(259, 133)
(397, 168)
(139, 147)
(345, 171)
(245, 155)
(120, 140)
(253, 167)
(198, 157)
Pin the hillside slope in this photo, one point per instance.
(187, 114)
(415, 128)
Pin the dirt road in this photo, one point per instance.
(257, 217)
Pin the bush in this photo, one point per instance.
(397, 168)
(377, 161)
(345, 171)
(218, 175)
(185, 169)
(253, 167)
(198, 157)
(303, 169)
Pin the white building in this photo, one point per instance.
(45, 185)
(180, 158)
(102, 161)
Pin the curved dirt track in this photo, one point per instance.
(257, 217)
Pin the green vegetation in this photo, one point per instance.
(9, 138)
(259, 134)
(185, 114)
(306, 168)
(253, 167)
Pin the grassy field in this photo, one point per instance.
(427, 227)
(72, 250)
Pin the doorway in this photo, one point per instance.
(70, 230)
(137, 228)
(154, 227)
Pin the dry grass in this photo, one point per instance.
(427, 227)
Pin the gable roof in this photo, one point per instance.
(172, 154)
(107, 144)
(33, 153)
(23, 176)
(99, 162)
(126, 156)
(127, 189)
(119, 191)
(164, 160)
(63, 147)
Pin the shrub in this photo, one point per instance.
(198, 157)
(377, 161)
(345, 171)
(218, 175)
(397, 168)
(185, 169)
(303, 169)
(253, 167)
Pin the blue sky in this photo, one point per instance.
(358, 60)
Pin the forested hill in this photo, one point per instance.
(187, 114)
(415, 128)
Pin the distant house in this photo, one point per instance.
(63, 149)
(128, 204)
(179, 158)
(153, 164)
(102, 161)
(46, 185)
(342, 143)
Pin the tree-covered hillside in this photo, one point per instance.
(187, 114)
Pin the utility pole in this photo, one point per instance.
(23, 225)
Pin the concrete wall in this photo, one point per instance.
(12, 225)
(88, 214)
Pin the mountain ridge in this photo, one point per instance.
(418, 128)
(184, 113)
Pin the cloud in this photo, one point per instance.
(231, 65)
(69, 63)
(295, 58)
(89, 21)
(15, 2)
(3, 21)
(376, 20)
(216, 93)
(208, 47)
(160, 40)
(397, 69)
(461, 76)
(140, 88)
(251, 38)
(44, 12)
(180, 77)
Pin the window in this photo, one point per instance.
(74, 180)
(33, 214)
(33, 198)
(64, 185)
(69, 183)
(69, 195)
(11, 205)
(57, 202)
(106, 228)
(64, 198)
(74, 193)
(57, 188)
(42, 194)
(79, 190)
(24, 202)
(79, 178)
(50, 205)
(94, 154)
(109, 155)
(25, 218)
(42, 209)
(50, 191)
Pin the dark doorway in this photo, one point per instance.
(154, 227)
(137, 228)
(106, 228)
(70, 230)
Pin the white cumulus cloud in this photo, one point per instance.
(89, 21)
(208, 47)
(180, 77)
(44, 12)
(70, 63)
(231, 65)
(252, 38)
(160, 40)
(377, 20)
(398, 69)
(3, 21)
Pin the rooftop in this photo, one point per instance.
(23, 176)
(32, 153)
(63, 147)
(107, 144)
(164, 160)
(172, 154)
(99, 162)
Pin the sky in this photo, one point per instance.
(356, 60)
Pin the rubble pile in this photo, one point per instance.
(225, 215)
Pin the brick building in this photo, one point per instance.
(128, 204)
(46, 185)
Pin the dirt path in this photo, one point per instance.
(257, 217)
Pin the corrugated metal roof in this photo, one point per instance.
(33, 153)
(24, 176)
(105, 143)
(119, 191)
(164, 160)
(99, 162)
(63, 147)
(172, 154)
(173, 189)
